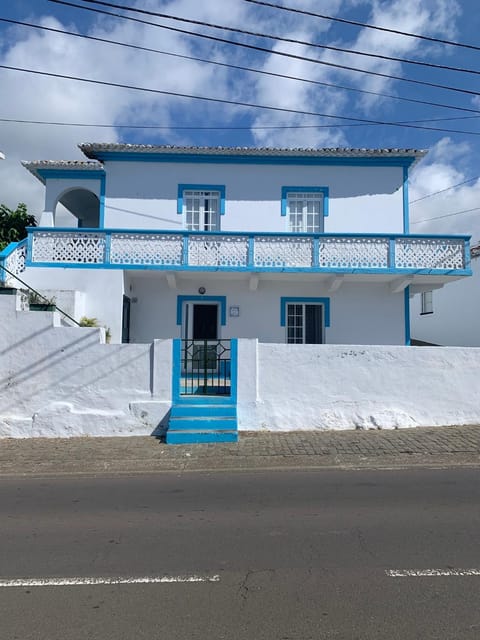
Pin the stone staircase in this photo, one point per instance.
(208, 421)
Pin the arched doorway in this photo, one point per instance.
(80, 208)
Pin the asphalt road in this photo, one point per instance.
(283, 555)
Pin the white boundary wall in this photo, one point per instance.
(58, 381)
(289, 387)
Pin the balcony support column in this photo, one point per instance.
(171, 281)
(253, 282)
(400, 284)
(334, 283)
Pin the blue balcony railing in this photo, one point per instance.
(254, 252)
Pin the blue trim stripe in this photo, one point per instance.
(176, 369)
(233, 369)
(201, 187)
(407, 315)
(287, 190)
(285, 301)
(101, 220)
(468, 256)
(222, 300)
(173, 267)
(66, 174)
(119, 156)
(406, 212)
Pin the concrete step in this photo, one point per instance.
(199, 436)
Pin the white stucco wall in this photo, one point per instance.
(99, 292)
(143, 195)
(287, 387)
(359, 313)
(59, 381)
(455, 319)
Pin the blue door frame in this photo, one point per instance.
(178, 397)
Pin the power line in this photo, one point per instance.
(434, 193)
(231, 102)
(237, 67)
(270, 51)
(113, 125)
(365, 25)
(220, 128)
(447, 215)
(278, 38)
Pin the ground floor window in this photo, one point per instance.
(427, 303)
(304, 323)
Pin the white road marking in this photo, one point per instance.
(430, 573)
(73, 582)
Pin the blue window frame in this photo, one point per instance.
(200, 187)
(305, 319)
(305, 208)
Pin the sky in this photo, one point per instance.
(318, 105)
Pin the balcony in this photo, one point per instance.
(390, 255)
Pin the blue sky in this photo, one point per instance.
(452, 158)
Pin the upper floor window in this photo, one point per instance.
(201, 206)
(305, 208)
(201, 210)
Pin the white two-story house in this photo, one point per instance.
(217, 256)
(283, 245)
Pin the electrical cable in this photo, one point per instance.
(216, 128)
(270, 51)
(230, 102)
(366, 25)
(434, 193)
(447, 215)
(211, 25)
(237, 67)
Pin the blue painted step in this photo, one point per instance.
(206, 424)
(204, 410)
(196, 423)
(199, 437)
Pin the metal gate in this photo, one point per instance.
(206, 367)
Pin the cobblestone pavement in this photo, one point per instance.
(438, 446)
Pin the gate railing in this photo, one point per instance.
(206, 367)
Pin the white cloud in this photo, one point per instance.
(437, 172)
(429, 17)
(26, 96)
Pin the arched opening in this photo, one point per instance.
(79, 207)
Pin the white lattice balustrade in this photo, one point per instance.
(14, 263)
(146, 248)
(69, 247)
(217, 251)
(280, 251)
(429, 253)
(354, 253)
(165, 249)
